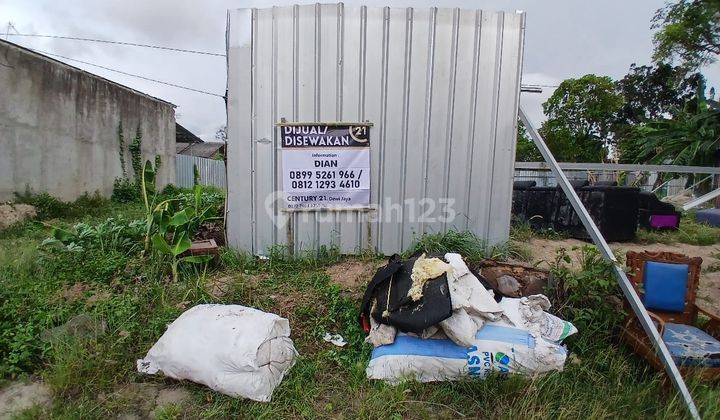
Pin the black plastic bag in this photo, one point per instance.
(386, 299)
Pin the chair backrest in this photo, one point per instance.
(636, 262)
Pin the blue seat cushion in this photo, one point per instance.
(691, 346)
(665, 286)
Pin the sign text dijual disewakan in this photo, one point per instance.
(326, 166)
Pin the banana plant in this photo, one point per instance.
(180, 244)
(169, 231)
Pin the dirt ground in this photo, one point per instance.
(15, 213)
(544, 252)
(353, 276)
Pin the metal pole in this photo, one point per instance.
(625, 285)
(692, 187)
(696, 202)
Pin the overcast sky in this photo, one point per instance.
(564, 38)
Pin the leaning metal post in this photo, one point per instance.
(627, 288)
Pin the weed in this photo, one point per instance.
(237, 261)
(49, 207)
(689, 232)
(473, 248)
(510, 250)
(466, 243)
(585, 296)
(606, 380)
(522, 231)
(112, 234)
(125, 191)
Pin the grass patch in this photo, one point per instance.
(473, 248)
(49, 207)
(38, 290)
(522, 231)
(689, 232)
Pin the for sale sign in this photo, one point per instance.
(326, 165)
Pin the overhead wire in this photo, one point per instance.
(128, 74)
(107, 41)
(175, 85)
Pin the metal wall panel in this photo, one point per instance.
(212, 172)
(441, 87)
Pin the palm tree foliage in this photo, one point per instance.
(690, 137)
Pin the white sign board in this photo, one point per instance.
(326, 166)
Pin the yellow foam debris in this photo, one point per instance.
(423, 270)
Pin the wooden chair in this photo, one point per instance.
(678, 326)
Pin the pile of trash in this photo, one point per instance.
(429, 319)
(433, 319)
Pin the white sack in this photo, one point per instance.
(529, 313)
(380, 333)
(461, 327)
(472, 304)
(496, 348)
(233, 349)
(468, 293)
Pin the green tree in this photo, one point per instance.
(526, 150)
(657, 91)
(581, 116)
(688, 31)
(691, 137)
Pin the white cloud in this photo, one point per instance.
(564, 38)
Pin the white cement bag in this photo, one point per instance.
(380, 334)
(529, 313)
(468, 293)
(233, 349)
(461, 327)
(496, 348)
(472, 304)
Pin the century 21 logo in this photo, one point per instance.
(359, 133)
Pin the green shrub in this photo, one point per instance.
(112, 234)
(87, 204)
(590, 298)
(473, 248)
(466, 243)
(125, 191)
(210, 197)
(171, 190)
(49, 207)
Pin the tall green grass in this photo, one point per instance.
(473, 248)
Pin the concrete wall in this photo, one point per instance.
(59, 128)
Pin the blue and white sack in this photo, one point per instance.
(497, 347)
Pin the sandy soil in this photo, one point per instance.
(15, 213)
(353, 275)
(544, 251)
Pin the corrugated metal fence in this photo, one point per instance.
(441, 87)
(212, 172)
